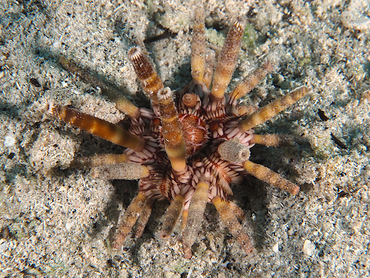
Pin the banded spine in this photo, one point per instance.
(98, 127)
(198, 46)
(267, 175)
(195, 215)
(129, 219)
(251, 81)
(227, 60)
(231, 222)
(270, 110)
(172, 215)
(171, 129)
(149, 79)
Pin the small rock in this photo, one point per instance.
(308, 247)
(275, 248)
(9, 140)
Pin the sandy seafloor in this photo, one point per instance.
(57, 221)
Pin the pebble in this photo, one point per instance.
(308, 247)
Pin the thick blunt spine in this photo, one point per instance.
(144, 217)
(98, 127)
(227, 60)
(197, 206)
(238, 211)
(231, 222)
(270, 110)
(129, 219)
(121, 171)
(150, 81)
(208, 72)
(172, 215)
(101, 159)
(265, 174)
(272, 140)
(250, 81)
(198, 46)
(172, 132)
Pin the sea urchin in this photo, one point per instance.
(189, 148)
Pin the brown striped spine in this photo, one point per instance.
(197, 206)
(198, 46)
(172, 215)
(171, 129)
(271, 140)
(227, 60)
(250, 82)
(129, 219)
(150, 81)
(270, 110)
(208, 72)
(101, 159)
(98, 127)
(265, 174)
(231, 222)
(144, 217)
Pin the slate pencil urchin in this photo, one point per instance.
(189, 148)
